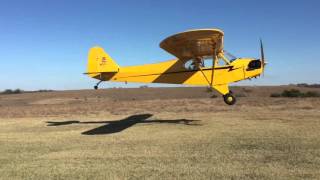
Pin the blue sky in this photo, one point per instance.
(44, 44)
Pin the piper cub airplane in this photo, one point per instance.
(201, 60)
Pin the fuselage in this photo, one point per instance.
(175, 72)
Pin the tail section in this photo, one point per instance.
(100, 62)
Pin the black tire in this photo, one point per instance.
(95, 87)
(229, 99)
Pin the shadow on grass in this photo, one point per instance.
(111, 127)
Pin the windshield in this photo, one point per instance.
(230, 56)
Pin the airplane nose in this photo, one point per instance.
(254, 64)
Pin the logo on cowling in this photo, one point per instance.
(103, 61)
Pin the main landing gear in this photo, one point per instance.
(97, 85)
(229, 98)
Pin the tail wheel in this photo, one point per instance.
(95, 87)
(229, 99)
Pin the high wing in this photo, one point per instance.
(194, 43)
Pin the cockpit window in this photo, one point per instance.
(230, 56)
(206, 62)
(189, 65)
(194, 64)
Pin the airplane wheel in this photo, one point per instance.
(95, 87)
(229, 99)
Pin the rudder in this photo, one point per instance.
(99, 61)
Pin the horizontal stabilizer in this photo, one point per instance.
(99, 72)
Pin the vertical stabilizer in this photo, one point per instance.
(99, 61)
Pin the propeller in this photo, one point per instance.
(263, 62)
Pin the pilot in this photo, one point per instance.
(197, 63)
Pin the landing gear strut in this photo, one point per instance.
(97, 85)
(229, 99)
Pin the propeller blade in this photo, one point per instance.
(263, 63)
(262, 52)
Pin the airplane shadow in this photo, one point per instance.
(111, 127)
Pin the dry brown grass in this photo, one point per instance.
(188, 137)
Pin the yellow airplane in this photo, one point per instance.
(201, 60)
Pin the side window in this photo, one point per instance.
(189, 65)
(221, 62)
(208, 62)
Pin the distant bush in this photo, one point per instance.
(275, 95)
(295, 93)
(291, 93)
(302, 85)
(308, 85)
(311, 94)
(144, 86)
(44, 90)
(19, 91)
(9, 91)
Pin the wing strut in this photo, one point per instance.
(214, 58)
(204, 75)
(210, 83)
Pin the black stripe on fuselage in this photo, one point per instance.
(187, 71)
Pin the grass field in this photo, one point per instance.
(158, 133)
